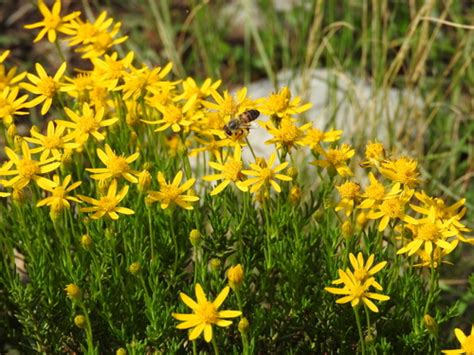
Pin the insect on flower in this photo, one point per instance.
(240, 126)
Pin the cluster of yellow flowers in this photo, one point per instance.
(190, 120)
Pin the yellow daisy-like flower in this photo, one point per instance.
(172, 193)
(375, 193)
(107, 205)
(52, 143)
(205, 314)
(403, 170)
(287, 134)
(43, 85)
(27, 169)
(101, 42)
(335, 160)
(116, 166)
(280, 104)
(314, 137)
(374, 155)
(87, 123)
(467, 342)
(191, 89)
(231, 171)
(391, 209)
(176, 117)
(427, 232)
(11, 105)
(357, 284)
(52, 21)
(110, 67)
(81, 32)
(227, 106)
(349, 192)
(265, 175)
(59, 200)
(435, 258)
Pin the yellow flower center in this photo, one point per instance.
(361, 275)
(375, 191)
(277, 102)
(59, 192)
(375, 151)
(173, 114)
(428, 231)
(392, 208)
(232, 170)
(52, 22)
(288, 132)
(468, 345)
(107, 203)
(207, 312)
(315, 136)
(86, 31)
(5, 107)
(170, 191)
(115, 69)
(102, 41)
(335, 156)
(117, 165)
(51, 142)
(87, 124)
(358, 291)
(48, 87)
(267, 174)
(349, 190)
(28, 168)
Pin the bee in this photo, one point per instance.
(240, 125)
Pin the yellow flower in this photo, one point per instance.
(265, 175)
(349, 192)
(88, 123)
(172, 193)
(205, 314)
(467, 342)
(81, 32)
(227, 106)
(314, 137)
(335, 160)
(375, 193)
(280, 104)
(357, 284)
(286, 134)
(43, 85)
(107, 205)
(176, 117)
(10, 105)
(52, 142)
(110, 67)
(390, 209)
(427, 232)
(191, 89)
(116, 166)
(59, 198)
(27, 169)
(139, 81)
(435, 258)
(374, 155)
(52, 21)
(403, 170)
(231, 171)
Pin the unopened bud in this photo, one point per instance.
(86, 241)
(80, 321)
(134, 268)
(243, 325)
(195, 237)
(235, 276)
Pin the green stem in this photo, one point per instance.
(245, 344)
(359, 329)
(214, 345)
(251, 149)
(175, 243)
(60, 52)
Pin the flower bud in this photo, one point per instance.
(292, 172)
(73, 291)
(195, 237)
(86, 242)
(134, 268)
(362, 220)
(430, 324)
(235, 276)
(11, 131)
(18, 195)
(347, 229)
(80, 321)
(243, 325)
(295, 194)
(121, 351)
(144, 180)
(214, 264)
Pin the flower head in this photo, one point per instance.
(44, 86)
(59, 200)
(107, 205)
(264, 175)
(115, 166)
(281, 104)
(11, 105)
(335, 160)
(403, 170)
(52, 21)
(205, 314)
(171, 193)
(467, 342)
(286, 134)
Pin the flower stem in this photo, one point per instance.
(359, 329)
(214, 346)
